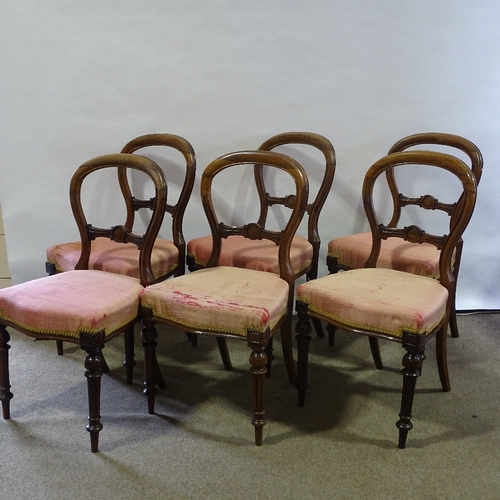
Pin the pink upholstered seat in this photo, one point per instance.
(119, 258)
(67, 304)
(261, 255)
(220, 299)
(387, 303)
(380, 300)
(353, 251)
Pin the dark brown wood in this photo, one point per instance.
(259, 342)
(303, 330)
(412, 362)
(149, 336)
(413, 343)
(94, 369)
(129, 357)
(5, 394)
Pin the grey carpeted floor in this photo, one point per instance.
(199, 445)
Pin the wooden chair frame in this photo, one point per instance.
(414, 344)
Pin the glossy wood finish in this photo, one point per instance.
(93, 344)
(400, 201)
(133, 205)
(414, 345)
(261, 353)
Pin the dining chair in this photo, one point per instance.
(263, 255)
(351, 252)
(391, 304)
(168, 255)
(85, 306)
(231, 302)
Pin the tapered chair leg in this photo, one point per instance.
(128, 358)
(94, 364)
(60, 348)
(149, 335)
(331, 334)
(258, 362)
(375, 349)
(303, 330)
(442, 359)
(412, 363)
(286, 344)
(318, 327)
(224, 353)
(5, 394)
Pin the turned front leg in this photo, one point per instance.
(5, 394)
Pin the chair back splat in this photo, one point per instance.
(233, 302)
(388, 303)
(85, 306)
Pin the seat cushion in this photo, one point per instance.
(353, 251)
(378, 300)
(261, 255)
(69, 303)
(112, 257)
(220, 299)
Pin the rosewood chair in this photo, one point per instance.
(232, 302)
(391, 304)
(351, 252)
(263, 255)
(168, 256)
(82, 306)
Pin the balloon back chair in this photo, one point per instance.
(391, 304)
(262, 255)
(82, 306)
(351, 252)
(232, 302)
(168, 256)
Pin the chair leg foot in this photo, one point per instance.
(60, 348)
(5, 394)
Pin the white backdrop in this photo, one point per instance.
(81, 78)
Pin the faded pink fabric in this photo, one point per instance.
(220, 299)
(119, 258)
(261, 255)
(380, 300)
(353, 251)
(72, 302)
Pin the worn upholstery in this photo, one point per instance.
(220, 299)
(352, 252)
(73, 302)
(261, 255)
(119, 258)
(379, 300)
